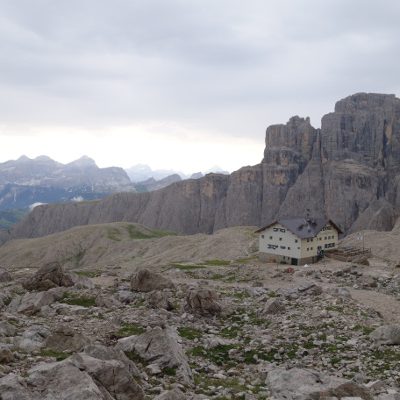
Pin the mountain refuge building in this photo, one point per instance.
(297, 241)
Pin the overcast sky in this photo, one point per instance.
(182, 84)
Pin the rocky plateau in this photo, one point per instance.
(119, 311)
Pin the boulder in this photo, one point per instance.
(63, 381)
(203, 302)
(110, 353)
(5, 276)
(386, 334)
(66, 339)
(274, 306)
(32, 339)
(147, 281)
(7, 329)
(31, 303)
(306, 384)
(6, 355)
(161, 347)
(161, 299)
(13, 387)
(111, 374)
(47, 277)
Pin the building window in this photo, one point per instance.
(262, 236)
(288, 248)
(312, 239)
(283, 247)
(270, 237)
(295, 240)
(275, 229)
(282, 230)
(280, 238)
(298, 248)
(308, 249)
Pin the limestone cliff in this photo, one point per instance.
(348, 170)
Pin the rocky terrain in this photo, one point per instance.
(349, 170)
(175, 317)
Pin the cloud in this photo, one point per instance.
(229, 68)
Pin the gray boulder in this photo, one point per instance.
(386, 334)
(13, 387)
(147, 281)
(65, 339)
(274, 306)
(31, 303)
(7, 329)
(63, 381)
(47, 277)
(203, 302)
(32, 339)
(5, 276)
(161, 347)
(161, 299)
(111, 374)
(305, 384)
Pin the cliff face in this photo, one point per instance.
(348, 170)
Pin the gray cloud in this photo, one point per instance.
(229, 66)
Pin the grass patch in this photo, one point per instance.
(88, 274)
(219, 355)
(203, 381)
(186, 267)
(133, 356)
(136, 233)
(129, 329)
(189, 333)
(74, 300)
(217, 262)
(114, 234)
(58, 355)
(169, 371)
(366, 330)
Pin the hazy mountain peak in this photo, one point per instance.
(83, 161)
(23, 158)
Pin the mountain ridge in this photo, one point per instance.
(340, 171)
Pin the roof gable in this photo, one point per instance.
(302, 227)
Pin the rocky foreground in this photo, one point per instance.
(214, 329)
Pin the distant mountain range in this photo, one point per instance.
(142, 172)
(27, 182)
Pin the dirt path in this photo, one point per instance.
(387, 305)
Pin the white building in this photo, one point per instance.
(297, 240)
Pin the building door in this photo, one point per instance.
(294, 261)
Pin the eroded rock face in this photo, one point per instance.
(47, 277)
(340, 171)
(203, 302)
(147, 281)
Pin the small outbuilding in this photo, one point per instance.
(297, 241)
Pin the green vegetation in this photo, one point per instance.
(129, 329)
(219, 355)
(58, 355)
(10, 217)
(136, 233)
(170, 371)
(88, 274)
(189, 333)
(114, 234)
(133, 356)
(366, 330)
(217, 262)
(76, 300)
(203, 382)
(186, 267)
